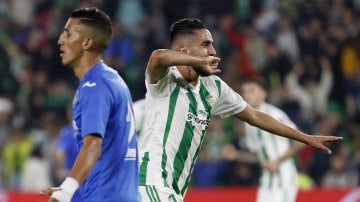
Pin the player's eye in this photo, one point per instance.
(205, 44)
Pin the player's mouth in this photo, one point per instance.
(62, 53)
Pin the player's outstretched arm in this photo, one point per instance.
(266, 122)
(161, 59)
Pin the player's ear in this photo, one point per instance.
(88, 43)
(183, 48)
(265, 95)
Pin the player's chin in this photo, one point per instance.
(66, 62)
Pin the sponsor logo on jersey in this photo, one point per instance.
(199, 122)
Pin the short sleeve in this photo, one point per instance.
(162, 88)
(96, 106)
(229, 102)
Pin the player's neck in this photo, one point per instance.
(189, 74)
(85, 64)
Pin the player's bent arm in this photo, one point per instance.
(161, 59)
(272, 166)
(266, 122)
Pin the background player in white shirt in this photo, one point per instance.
(182, 94)
(278, 181)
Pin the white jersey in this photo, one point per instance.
(139, 114)
(176, 119)
(270, 147)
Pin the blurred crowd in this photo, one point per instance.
(307, 51)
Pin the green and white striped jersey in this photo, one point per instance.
(270, 147)
(176, 119)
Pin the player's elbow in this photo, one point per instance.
(157, 57)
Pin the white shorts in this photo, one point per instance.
(152, 193)
(285, 194)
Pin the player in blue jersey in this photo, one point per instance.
(106, 168)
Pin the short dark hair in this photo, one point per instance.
(257, 80)
(97, 19)
(185, 26)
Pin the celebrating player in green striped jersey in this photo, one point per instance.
(182, 94)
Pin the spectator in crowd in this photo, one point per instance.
(339, 175)
(311, 94)
(36, 174)
(18, 148)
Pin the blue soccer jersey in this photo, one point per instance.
(103, 106)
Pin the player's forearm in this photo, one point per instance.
(273, 126)
(167, 57)
(267, 123)
(86, 160)
(161, 59)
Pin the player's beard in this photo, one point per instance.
(201, 73)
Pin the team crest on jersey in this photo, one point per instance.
(209, 97)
